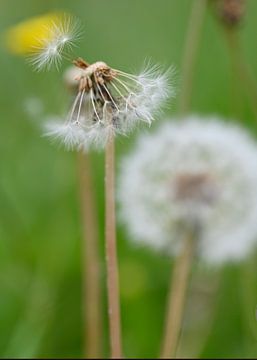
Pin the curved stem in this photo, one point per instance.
(189, 58)
(111, 253)
(177, 297)
(90, 261)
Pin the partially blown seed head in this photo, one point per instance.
(200, 173)
(109, 102)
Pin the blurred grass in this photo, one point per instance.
(40, 231)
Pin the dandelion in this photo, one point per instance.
(200, 173)
(110, 102)
(191, 189)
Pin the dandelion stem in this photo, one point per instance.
(177, 297)
(91, 262)
(189, 58)
(242, 67)
(111, 253)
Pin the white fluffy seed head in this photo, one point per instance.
(60, 35)
(114, 104)
(201, 172)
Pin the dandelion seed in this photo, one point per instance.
(43, 38)
(60, 34)
(198, 173)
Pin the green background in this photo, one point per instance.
(40, 229)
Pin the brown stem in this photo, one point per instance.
(242, 67)
(111, 253)
(189, 58)
(90, 261)
(177, 296)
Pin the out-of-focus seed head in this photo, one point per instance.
(229, 12)
(197, 174)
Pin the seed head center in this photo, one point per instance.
(196, 187)
(94, 74)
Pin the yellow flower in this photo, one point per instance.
(23, 38)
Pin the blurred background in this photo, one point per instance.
(40, 227)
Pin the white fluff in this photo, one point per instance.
(224, 204)
(70, 134)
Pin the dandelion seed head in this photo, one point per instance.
(112, 102)
(200, 172)
(230, 12)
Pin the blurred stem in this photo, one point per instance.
(248, 298)
(190, 52)
(193, 344)
(180, 276)
(241, 67)
(236, 95)
(177, 297)
(111, 252)
(90, 261)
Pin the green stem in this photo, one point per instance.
(241, 67)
